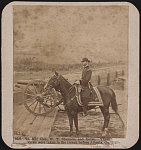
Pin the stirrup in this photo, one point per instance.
(83, 114)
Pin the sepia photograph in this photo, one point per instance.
(70, 75)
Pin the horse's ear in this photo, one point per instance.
(56, 73)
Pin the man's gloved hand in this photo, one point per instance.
(77, 82)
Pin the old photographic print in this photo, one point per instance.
(70, 78)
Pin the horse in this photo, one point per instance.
(68, 92)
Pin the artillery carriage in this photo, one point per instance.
(37, 100)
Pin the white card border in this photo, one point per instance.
(7, 75)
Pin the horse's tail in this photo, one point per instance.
(114, 103)
(115, 107)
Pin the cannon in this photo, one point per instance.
(37, 100)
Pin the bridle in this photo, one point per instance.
(70, 89)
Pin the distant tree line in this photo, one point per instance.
(30, 64)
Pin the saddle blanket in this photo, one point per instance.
(96, 101)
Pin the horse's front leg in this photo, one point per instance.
(76, 124)
(71, 124)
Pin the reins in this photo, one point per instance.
(70, 89)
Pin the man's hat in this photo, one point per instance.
(85, 60)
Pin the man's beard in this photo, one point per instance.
(85, 65)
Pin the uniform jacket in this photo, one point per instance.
(86, 77)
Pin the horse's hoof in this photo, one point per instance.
(105, 132)
(71, 134)
(77, 133)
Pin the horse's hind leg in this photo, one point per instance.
(105, 112)
(76, 123)
(123, 126)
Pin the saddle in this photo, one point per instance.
(94, 100)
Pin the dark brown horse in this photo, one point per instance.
(68, 92)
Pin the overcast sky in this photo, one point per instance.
(67, 34)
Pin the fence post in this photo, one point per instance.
(123, 72)
(123, 85)
(99, 80)
(108, 79)
(116, 74)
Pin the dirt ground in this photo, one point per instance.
(91, 126)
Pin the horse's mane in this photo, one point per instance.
(67, 87)
(66, 81)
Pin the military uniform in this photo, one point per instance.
(86, 77)
(86, 91)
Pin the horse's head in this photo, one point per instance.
(54, 81)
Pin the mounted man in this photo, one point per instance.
(87, 90)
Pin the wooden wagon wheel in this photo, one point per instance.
(37, 103)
